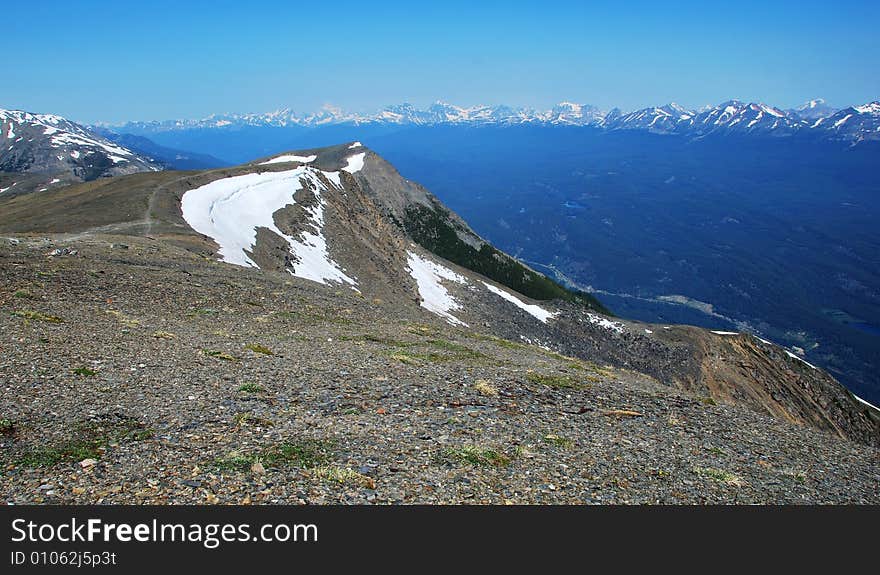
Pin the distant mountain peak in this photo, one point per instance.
(52, 144)
(732, 115)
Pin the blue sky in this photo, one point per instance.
(115, 61)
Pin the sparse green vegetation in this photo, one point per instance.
(7, 426)
(38, 316)
(433, 229)
(85, 372)
(307, 453)
(484, 387)
(252, 388)
(257, 348)
(719, 475)
(164, 335)
(218, 354)
(558, 440)
(344, 475)
(23, 293)
(476, 456)
(87, 440)
(234, 462)
(243, 418)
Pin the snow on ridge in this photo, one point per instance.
(355, 145)
(535, 310)
(797, 357)
(435, 297)
(860, 400)
(290, 158)
(230, 210)
(725, 332)
(355, 163)
(605, 323)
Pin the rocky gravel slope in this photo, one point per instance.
(134, 371)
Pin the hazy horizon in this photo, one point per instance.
(192, 60)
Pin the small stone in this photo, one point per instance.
(191, 483)
(258, 468)
(86, 463)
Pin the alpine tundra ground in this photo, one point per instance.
(132, 371)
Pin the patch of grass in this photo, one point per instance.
(421, 329)
(386, 341)
(342, 475)
(719, 475)
(555, 381)
(252, 388)
(251, 419)
(257, 348)
(716, 451)
(476, 456)
(87, 440)
(558, 440)
(7, 426)
(218, 354)
(85, 372)
(483, 387)
(708, 401)
(233, 462)
(124, 319)
(38, 316)
(164, 335)
(23, 293)
(505, 343)
(458, 351)
(306, 453)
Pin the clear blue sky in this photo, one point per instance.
(116, 61)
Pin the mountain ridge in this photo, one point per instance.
(732, 116)
(340, 216)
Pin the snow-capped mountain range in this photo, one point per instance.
(854, 123)
(46, 143)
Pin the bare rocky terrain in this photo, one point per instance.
(137, 371)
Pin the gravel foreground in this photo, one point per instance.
(132, 371)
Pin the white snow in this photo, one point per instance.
(290, 158)
(860, 400)
(535, 310)
(355, 163)
(117, 159)
(355, 145)
(872, 108)
(230, 210)
(74, 154)
(435, 297)
(725, 332)
(11, 133)
(648, 331)
(841, 121)
(606, 323)
(54, 181)
(790, 354)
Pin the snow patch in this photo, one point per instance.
(290, 158)
(797, 357)
(725, 332)
(230, 210)
(435, 297)
(537, 311)
(355, 145)
(355, 163)
(860, 400)
(605, 323)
